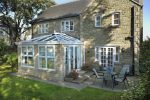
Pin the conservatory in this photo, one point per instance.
(50, 56)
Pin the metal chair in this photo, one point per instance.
(121, 77)
(97, 76)
(108, 77)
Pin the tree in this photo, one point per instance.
(17, 14)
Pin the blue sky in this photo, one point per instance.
(146, 24)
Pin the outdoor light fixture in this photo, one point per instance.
(129, 38)
(123, 50)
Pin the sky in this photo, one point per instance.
(146, 17)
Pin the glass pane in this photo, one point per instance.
(24, 60)
(30, 61)
(24, 51)
(30, 50)
(50, 51)
(71, 22)
(46, 25)
(116, 16)
(116, 22)
(117, 57)
(71, 28)
(117, 49)
(42, 62)
(42, 51)
(50, 63)
(98, 18)
(67, 23)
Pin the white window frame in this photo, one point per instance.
(113, 19)
(22, 55)
(46, 57)
(114, 53)
(98, 21)
(64, 27)
(43, 28)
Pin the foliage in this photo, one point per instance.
(12, 60)
(15, 88)
(3, 50)
(74, 74)
(90, 66)
(141, 90)
(17, 15)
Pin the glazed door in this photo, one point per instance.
(72, 58)
(107, 57)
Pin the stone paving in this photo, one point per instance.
(90, 82)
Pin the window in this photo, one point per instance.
(43, 28)
(67, 25)
(107, 55)
(115, 19)
(98, 20)
(27, 56)
(117, 53)
(46, 57)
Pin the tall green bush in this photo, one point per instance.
(141, 90)
(12, 60)
(3, 49)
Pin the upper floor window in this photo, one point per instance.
(67, 25)
(98, 20)
(115, 19)
(43, 28)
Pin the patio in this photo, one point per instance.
(86, 80)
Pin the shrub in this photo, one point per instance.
(90, 66)
(12, 60)
(3, 49)
(141, 90)
(74, 74)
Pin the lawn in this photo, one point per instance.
(16, 88)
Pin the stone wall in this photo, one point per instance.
(109, 35)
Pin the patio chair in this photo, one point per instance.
(97, 76)
(108, 77)
(121, 77)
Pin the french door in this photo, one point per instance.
(105, 56)
(72, 58)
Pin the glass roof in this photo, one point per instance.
(55, 38)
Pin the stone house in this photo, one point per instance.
(69, 35)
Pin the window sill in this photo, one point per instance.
(48, 70)
(67, 31)
(99, 27)
(27, 66)
(117, 25)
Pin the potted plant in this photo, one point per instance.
(71, 76)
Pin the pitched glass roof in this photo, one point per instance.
(55, 38)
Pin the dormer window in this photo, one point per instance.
(43, 28)
(116, 19)
(98, 20)
(67, 25)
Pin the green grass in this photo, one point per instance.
(15, 88)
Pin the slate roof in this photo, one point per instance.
(64, 10)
